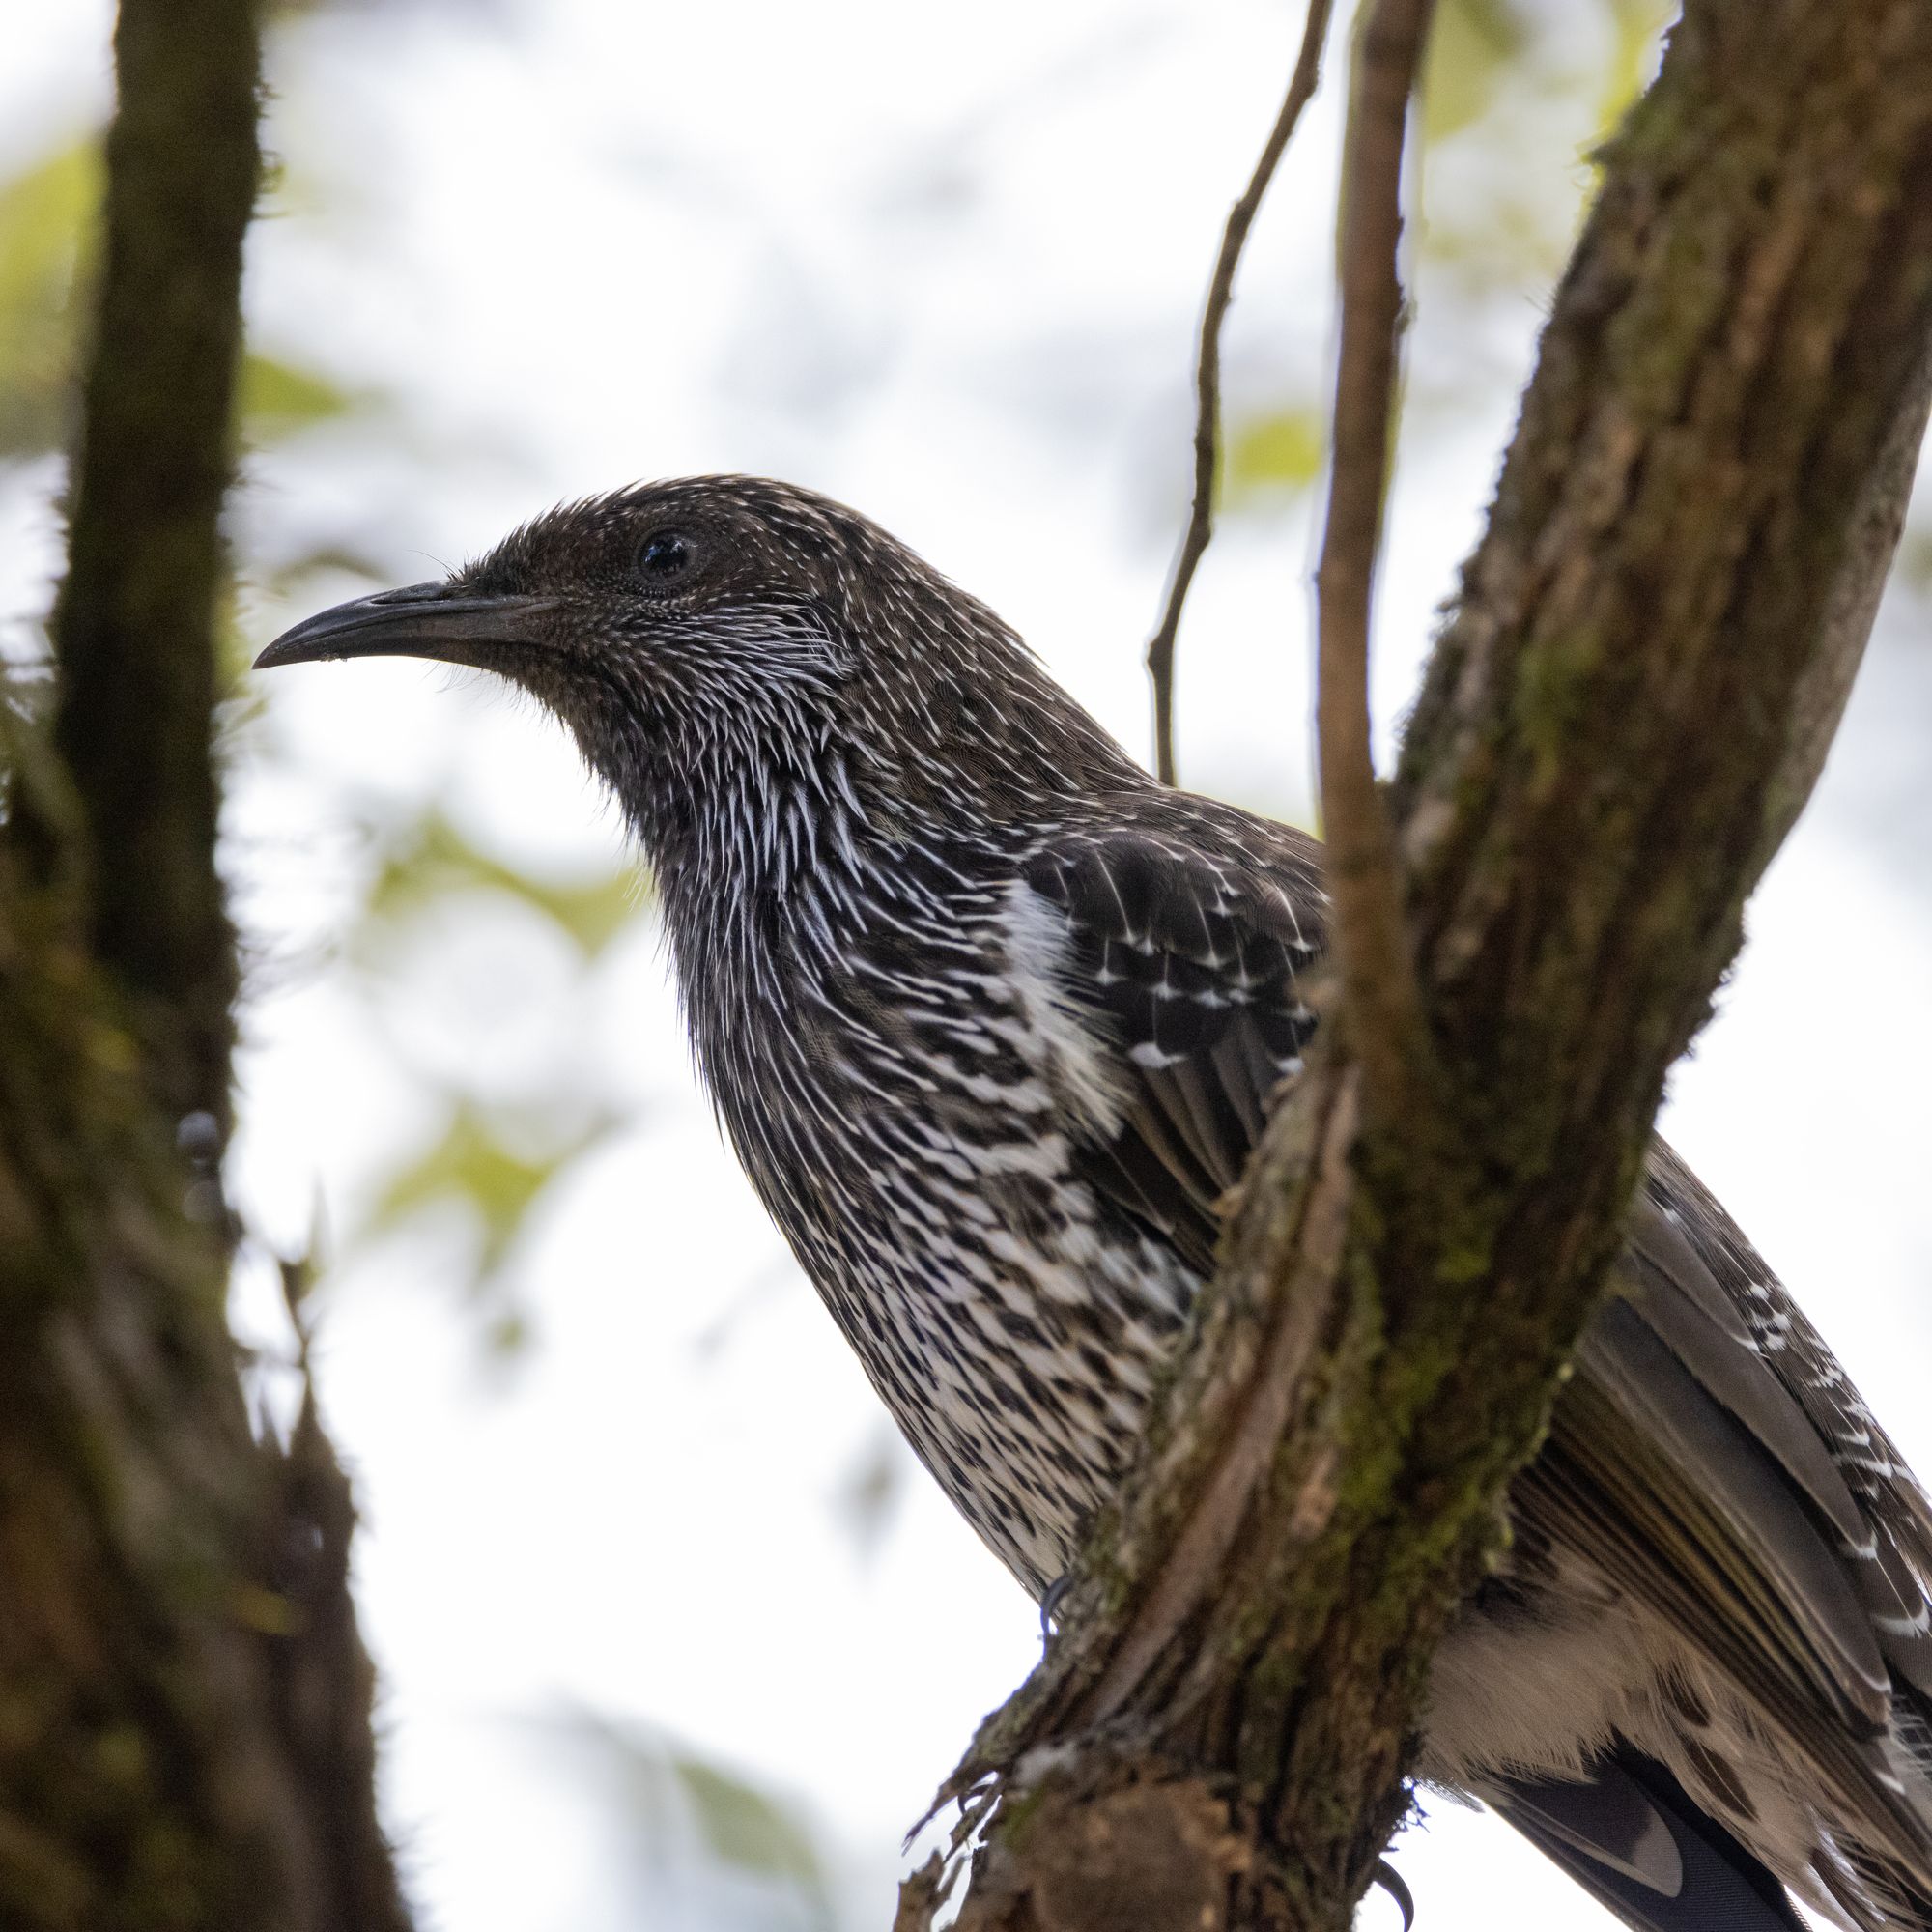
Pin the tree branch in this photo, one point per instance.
(1384, 1007)
(1651, 642)
(1301, 86)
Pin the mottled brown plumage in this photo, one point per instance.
(993, 1021)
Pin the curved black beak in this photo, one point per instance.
(420, 621)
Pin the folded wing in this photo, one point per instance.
(1708, 1455)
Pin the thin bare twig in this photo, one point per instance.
(1382, 1005)
(1301, 86)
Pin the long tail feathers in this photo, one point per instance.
(1632, 1837)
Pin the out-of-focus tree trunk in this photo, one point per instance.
(185, 1704)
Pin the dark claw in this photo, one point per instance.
(1391, 1882)
(1049, 1605)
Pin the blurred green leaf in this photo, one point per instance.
(44, 217)
(496, 1165)
(1471, 46)
(286, 578)
(670, 1792)
(278, 399)
(1638, 26)
(433, 859)
(1546, 96)
(47, 238)
(747, 1828)
(1512, 241)
(1283, 450)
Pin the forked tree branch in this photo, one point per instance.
(1301, 86)
(1631, 698)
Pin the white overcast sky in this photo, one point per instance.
(945, 264)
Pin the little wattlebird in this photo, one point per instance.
(992, 1020)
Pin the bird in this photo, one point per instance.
(993, 1020)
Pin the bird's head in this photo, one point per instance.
(725, 643)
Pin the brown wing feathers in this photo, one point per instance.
(1191, 965)
(1709, 1453)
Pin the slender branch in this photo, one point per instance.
(1382, 1005)
(1301, 86)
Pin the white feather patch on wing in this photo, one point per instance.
(1073, 1053)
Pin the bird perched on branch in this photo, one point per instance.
(993, 1021)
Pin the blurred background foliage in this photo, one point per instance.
(47, 236)
(705, 1839)
(432, 906)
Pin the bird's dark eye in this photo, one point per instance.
(666, 556)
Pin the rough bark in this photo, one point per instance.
(184, 1707)
(1623, 716)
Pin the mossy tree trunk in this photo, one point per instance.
(184, 1706)
(1630, 702)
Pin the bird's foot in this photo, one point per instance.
(1049, 1605)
